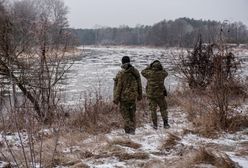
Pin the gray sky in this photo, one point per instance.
(90, 13)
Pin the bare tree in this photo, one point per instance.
(33, 43)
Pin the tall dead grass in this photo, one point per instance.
(208, 157)
(203, 112)
(215, 158)
(99, 115)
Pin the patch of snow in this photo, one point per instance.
(106, 163)
(241, 160)
(3, 164)
(14, 139)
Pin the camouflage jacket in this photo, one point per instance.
(127, 84)
(155, 75)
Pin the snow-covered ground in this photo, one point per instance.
(147, 148)
(151, 144)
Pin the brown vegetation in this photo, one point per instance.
(125, 142)
(209, 157)
(170, 142)
(210, 72)
(135, 156)
(220, 160)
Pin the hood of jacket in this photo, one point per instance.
(156, 65)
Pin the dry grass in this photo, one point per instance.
(97, 117)
(142, 112)
(170, 142)
(172, 99)
(126, 143)
(206, 156)
(205, 116)
(122, 156)
(220, 160)
(134, 156)
(237, 122)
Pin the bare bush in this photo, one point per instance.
(33, 42)
(200, 66)
(210, 71)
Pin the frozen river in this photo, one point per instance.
(95, 68)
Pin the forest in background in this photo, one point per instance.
(182, 32)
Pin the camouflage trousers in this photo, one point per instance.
(161, 103)
(128, 110)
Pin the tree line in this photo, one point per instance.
(182, 32)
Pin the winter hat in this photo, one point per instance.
(125, 59)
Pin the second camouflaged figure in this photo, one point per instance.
(127, 89)
(156, 92)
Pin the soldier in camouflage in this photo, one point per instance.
(156, 92)
(127, 89)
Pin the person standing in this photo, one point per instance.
(127, 90)
(156, 91)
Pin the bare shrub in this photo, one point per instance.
(197, 66)
(33, 42)
(211, 73)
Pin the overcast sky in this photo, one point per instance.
(90, 13)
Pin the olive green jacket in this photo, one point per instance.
(127, 84)
(155, 75)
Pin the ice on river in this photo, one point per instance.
(96, 67)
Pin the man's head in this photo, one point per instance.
(125, 59)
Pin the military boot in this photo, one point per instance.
(155, 124)
(132, 131)
(155, 127)
(127, 130)
(166, 125)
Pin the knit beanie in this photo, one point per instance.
(125, 59)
